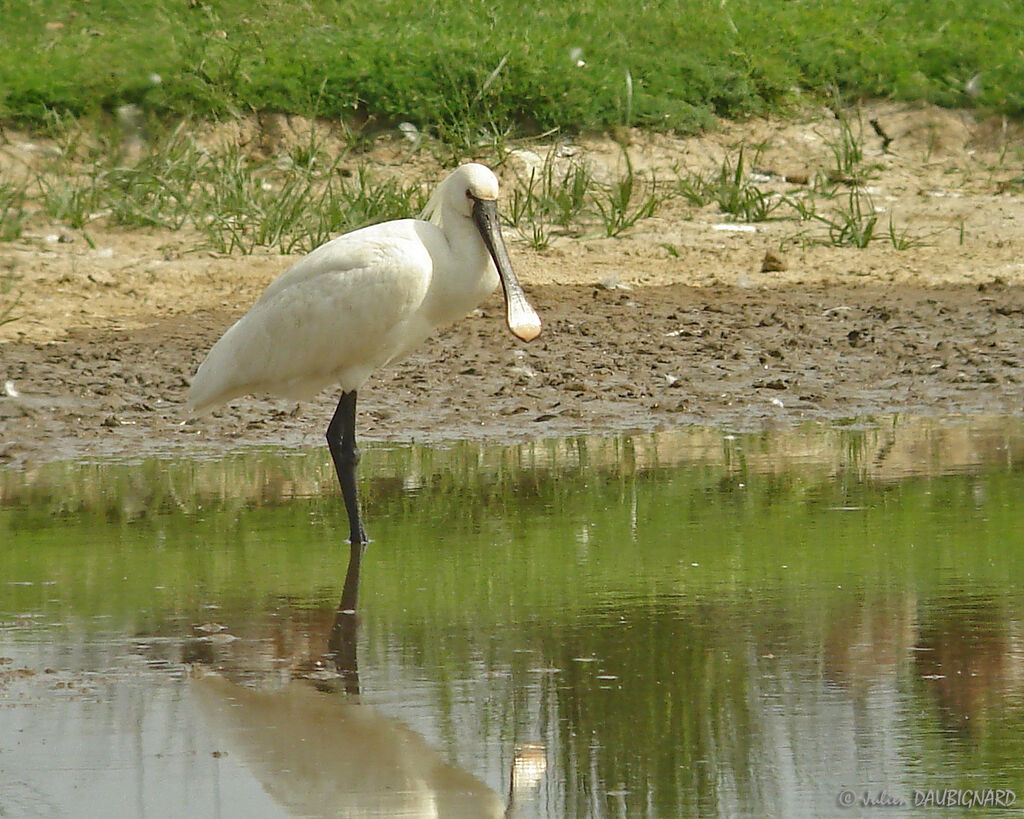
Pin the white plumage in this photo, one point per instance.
(367, 298)
(359, 301)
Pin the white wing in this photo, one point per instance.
(337, 314)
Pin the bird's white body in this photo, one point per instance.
(352, 305)
(360, 301)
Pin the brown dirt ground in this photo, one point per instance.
(673, 324)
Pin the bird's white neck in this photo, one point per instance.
(469, 275)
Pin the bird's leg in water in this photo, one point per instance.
(341, 440)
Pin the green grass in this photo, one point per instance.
(233, 200)
(730, 188)
(626, 200)
(459, 70)
(853, 224)
(470, 77)
(548, 197)
(236, 201)
(565, 196)
(12, 209)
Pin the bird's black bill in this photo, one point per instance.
(521, 318)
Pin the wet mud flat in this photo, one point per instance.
(610, 359)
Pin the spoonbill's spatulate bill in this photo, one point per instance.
(362, 300)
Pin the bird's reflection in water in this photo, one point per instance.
(318, 751)
(342, 643)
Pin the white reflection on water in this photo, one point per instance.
(321, 755)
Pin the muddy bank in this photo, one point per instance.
(610, 359)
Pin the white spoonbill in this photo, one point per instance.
(362, 300)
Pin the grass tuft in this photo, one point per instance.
(236, 201)
(730, 189)
(565, 196)
(12, 210)
(626, 200)
(852, 225)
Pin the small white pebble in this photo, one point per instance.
(733, 227)
(410, 132)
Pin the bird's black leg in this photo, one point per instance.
(341, 440)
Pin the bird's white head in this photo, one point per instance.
(479, 181)
(459, 190)
(471, 192)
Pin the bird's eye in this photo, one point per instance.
(469, 193)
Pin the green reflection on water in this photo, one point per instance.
(698, 624)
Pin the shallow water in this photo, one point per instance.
(682, 624)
